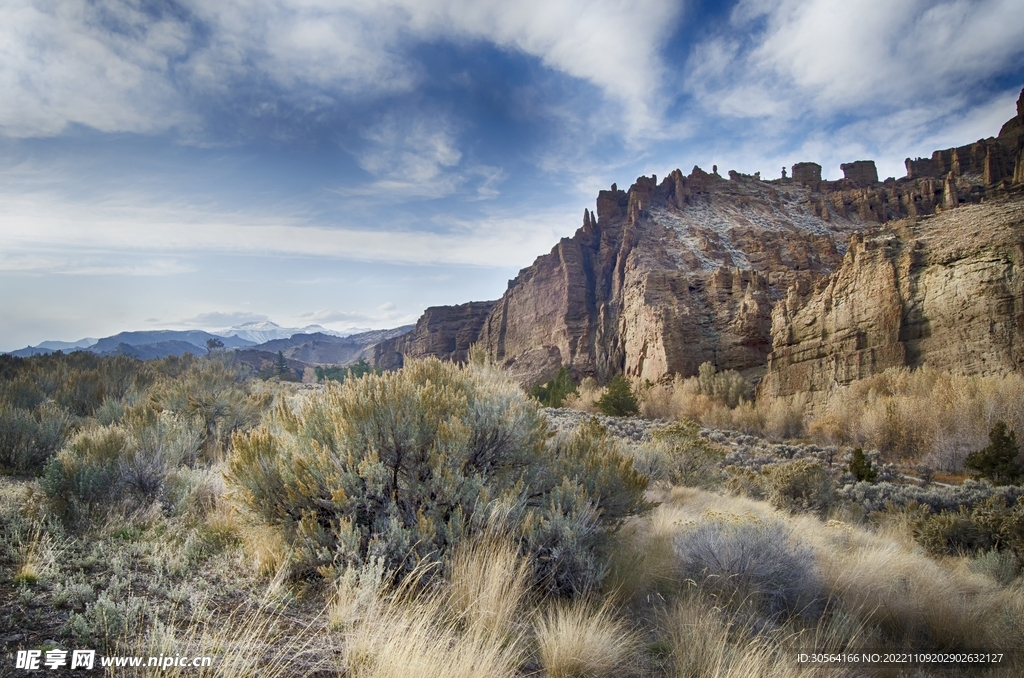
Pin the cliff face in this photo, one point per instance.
(665, 277)
(700, 268)
(944, 291)
(444, 332)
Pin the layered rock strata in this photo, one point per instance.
(667, 275)
(445, 332)
(945, 291)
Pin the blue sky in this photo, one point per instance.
(185, 164)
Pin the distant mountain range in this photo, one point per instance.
(264, 330)
(252, 342)
(323, 349)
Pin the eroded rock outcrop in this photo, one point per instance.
(944, 291)
(667, 275)
(445, 332)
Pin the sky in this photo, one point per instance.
(181, 164)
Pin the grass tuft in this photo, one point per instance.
(577, 640)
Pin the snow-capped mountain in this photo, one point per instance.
(265, 330)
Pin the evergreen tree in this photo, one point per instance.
(554, 393)
(281, 365)
(998, 461)
(861, 467)
(618, 399)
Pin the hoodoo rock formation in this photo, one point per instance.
(816, 282)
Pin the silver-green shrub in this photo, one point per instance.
(103, 466)
(28, 438)
(876, 497)
(999, 565)
(750, 563)
(402, 466)
(799, 485)
(679, 455)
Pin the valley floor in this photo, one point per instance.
(711, 582)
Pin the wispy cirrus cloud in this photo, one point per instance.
(119, 65)
(216, 319)
(45, 225)
(387, 313)
(64, 261)
(784, 59)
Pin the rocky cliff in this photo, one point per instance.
(945, 291)
(444, 332)
(699, 267)
(664, 277)
(325, 349)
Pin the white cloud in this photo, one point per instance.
(328, 316)
(61, 63)
(612, 44)
(415, 157)
(386, 313)
(40, 224)
(122, 65)
(823, 56)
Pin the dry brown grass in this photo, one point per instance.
(921, 415)
(261, 641)
(586, 396)
(708, 642)
(577, 640)
(489, 585)
(411, 632)
(882, 590)
(910, 598)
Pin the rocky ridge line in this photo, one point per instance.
(665, 276)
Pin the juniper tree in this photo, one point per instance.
(618, 399)
(861, 467)
(998, 461)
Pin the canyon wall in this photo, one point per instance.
(444, 332)
(816, 282)
(945, 291)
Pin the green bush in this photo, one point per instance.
(104, 466)
(618, 399)
(403, 466)
(215, 396)
(339, 374)
(861, 467)
(992, 524)
(554, 393)
(999, 565)
(83, 476)
(78, 382)
(998, 461)
(681, 456)
(799, 485)
(29, 438)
